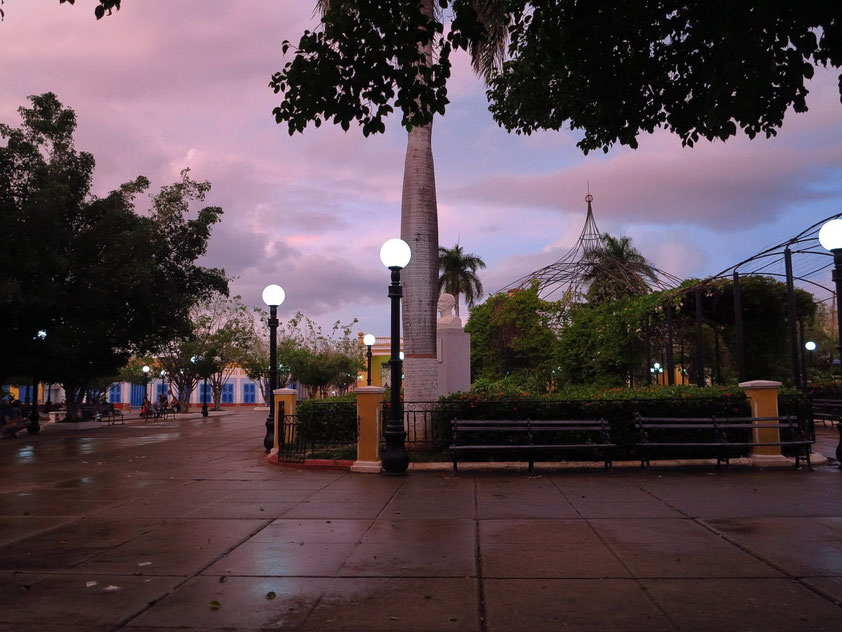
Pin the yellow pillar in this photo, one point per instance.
(763, 398)
(287, 397)
(369, 405)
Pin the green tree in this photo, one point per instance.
(513, 334)
(617, 270)
(99, 281)
(697, 69)
(459, 274)
(320, 360)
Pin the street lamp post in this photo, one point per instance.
(273, 296)
(145, 370)
(34, 426)
(205, 393)
(368, 340)
(830, 237)
(395, 254)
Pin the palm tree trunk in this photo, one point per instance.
(419, 228)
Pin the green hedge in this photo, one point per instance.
(331, 420)
(618, 406)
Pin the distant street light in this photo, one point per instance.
(395, 254)
(830, 237)
(145, 370)
(810, 345)
(273, 296)
(369, 340)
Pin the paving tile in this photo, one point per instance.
(49, 555)
(521, 497)
(14, 528)
(583, 605)
(623, 509)
(376, 604)
(406, 604)
(278, 559)
(232, 510)
(420, 548)
(14, 583)
(338, 511)
(545, 548)
(290, 530)
(668, 547)
(74, 602)
(781, 605)
(831, 587)
(178, 548)
(802, 546)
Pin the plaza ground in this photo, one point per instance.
(182, 525)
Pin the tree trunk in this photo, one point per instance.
(419, 228)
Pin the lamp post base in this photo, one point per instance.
(269, 439)
(394, 457)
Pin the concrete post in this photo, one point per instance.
(763, 398)
(369, 406)
(288, 397)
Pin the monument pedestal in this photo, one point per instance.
(453, 355)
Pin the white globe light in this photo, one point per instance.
(401, 355)
(368, 339)
(830, 235)
(273, 295)
(145, 368)
(810, 345)
(395, 253)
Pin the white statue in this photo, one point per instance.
(447, 320)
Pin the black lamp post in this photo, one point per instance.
(205, 394)
(34, 426)
(145, 370)
(395, 254)
(273, 296)
(830, 237)
(368, 340)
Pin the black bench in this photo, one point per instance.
(717, 437)
(827, 410)
(102, 412)
(531, 437)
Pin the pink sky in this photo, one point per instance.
(164, 85)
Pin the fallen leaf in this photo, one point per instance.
(90, 584)
(213, 604)
(223, 579)
(111, 588)
(271, 595)
(144, 563)
(394, 618)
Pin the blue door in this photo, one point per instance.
(249, 393)
(227, 394)
(114, 394)
(205, 393)
(137, 393)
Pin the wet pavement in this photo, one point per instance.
(182, 525)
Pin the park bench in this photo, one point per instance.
(157, 412)
(716, 437)
(102, 412)
(827, 411)
(531, 438)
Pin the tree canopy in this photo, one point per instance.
(88, 281)
(612, 70)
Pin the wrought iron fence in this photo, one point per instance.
(420, 423)
(320, 430)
